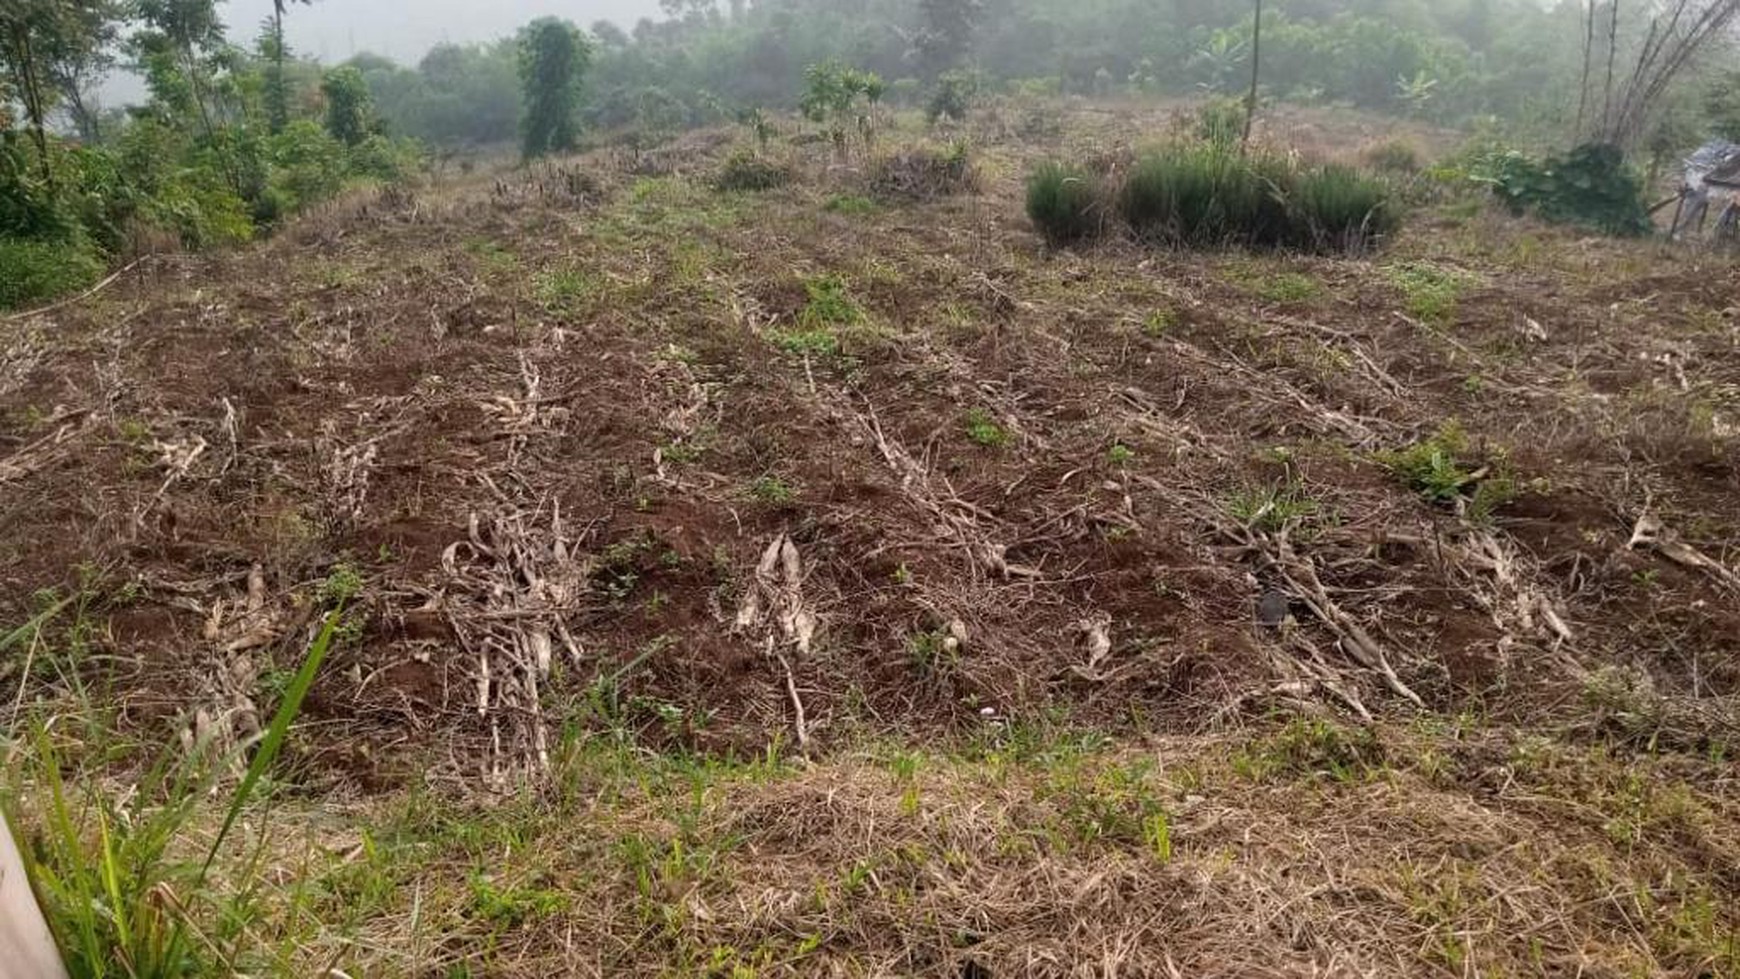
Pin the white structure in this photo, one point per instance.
(1712, 177)
(27, 949)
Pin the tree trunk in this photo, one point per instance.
(1612, 55)
(1588, 57)
(35, 104)
(1256, 70)
(280, 98)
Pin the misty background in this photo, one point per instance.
(334, 30)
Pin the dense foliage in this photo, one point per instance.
(552, 59)
(1589, 186)
(228, 142)
(1447, 62)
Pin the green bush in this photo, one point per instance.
(35, 271)
(382, 158)
(308, 165)
(27, 209)
(1393, 156)
(952, 97)
(1590, 186)
(744, 170)
(1065, 203)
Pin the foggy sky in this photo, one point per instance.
(333, 30)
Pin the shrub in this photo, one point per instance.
(952, 97)
(27, 207)
(384, 159)
(744, 170)
(1591, 186)
(35, 271)
(1065, 203)
(1392, 156)
(924, 173)
(310, 166)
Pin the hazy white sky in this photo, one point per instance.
(333, 30)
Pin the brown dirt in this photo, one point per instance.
(613, 378)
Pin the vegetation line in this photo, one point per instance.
(71, 300)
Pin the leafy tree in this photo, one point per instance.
(350, 110)
(945, 38)
(43, 42)
(609, 35)
(182, 36)
(77, 61)
(553, 56)
(1722, 105)
(831, 97)
(277, 92)
(952, 96)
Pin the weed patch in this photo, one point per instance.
(984, 431)
(828, 304)
(1311, 747)
(849, 204)
(1429, 291)
(1445, 469)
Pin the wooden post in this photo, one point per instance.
(27, 947)
(1256, 67)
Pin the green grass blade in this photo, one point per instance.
(275, 734)
(41, 619)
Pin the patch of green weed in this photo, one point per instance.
(563, 289)
(1273, 507)
(772, 490)
(983, 430)
(1160, 322)
(1445, 468)
(828, 304)
(1311, 746)
(849, 204)
(1286, 287)
(1429, 291)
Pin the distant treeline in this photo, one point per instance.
(1444, 61)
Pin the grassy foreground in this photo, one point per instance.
(1284, 848)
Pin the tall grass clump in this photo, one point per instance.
(1202, 196)
(1066, 203)
(1209, 196)
(1336, 208)
(126, 888)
